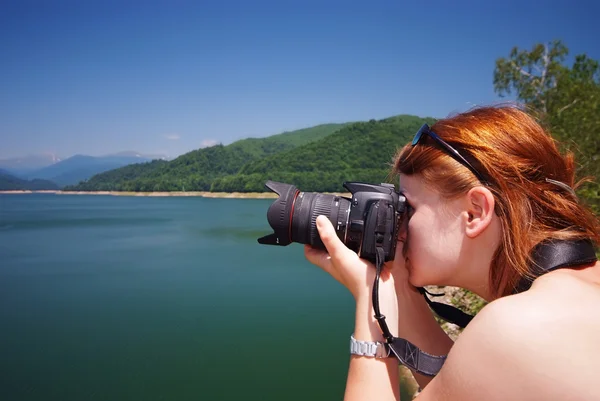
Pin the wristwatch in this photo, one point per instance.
(368, 348)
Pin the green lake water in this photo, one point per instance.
(142, 298)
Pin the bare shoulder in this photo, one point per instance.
(539, 345)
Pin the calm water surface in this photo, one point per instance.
(141, 298)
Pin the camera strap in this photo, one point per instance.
(406, 352)
(546, 256)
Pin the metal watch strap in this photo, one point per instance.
(368, 348)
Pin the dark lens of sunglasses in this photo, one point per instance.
(418, 135)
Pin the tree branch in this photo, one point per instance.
(521, 70)
(567, 106)
(546, 59)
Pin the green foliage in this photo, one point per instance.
(311, 181)
(122, 179)
(315, 159)
(197, 170)
(566, 100)
(363, 145)
(467, 301)
(8, 182)
(358, 152)
(531, 74)
(259, 147)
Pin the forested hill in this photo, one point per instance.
(359, 152)
(316, 159)
(9, 182)
(196, 170)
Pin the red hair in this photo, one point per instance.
(515, 155)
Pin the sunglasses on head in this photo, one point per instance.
(425, 130)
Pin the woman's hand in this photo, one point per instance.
(358, 275)
(368, 378)
(407, 314)
(344, 265)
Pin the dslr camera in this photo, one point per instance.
(370, 218)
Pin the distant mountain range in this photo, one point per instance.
(198, 169)
(21, 166)
(10, 182)
(56, 173)
(319, 159)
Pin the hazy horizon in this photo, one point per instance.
(116, 152)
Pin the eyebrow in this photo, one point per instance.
(403, 190)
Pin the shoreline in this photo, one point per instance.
(203, 194)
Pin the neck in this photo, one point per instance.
(589, 273)
(482, 291)
(475, 265)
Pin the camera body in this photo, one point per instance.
(370, 218)
(374, 219)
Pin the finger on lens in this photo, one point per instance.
(335, 247)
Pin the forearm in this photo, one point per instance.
(408, 316)
(417, 325)
(372, 378)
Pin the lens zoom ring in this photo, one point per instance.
(322, 206)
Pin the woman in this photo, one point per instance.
(484, 187)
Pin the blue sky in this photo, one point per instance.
(168, 77)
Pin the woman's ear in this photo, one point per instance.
(480, 205)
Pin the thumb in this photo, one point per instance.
(335, 247)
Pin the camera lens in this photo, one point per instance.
(308, 206)
(293, 215)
